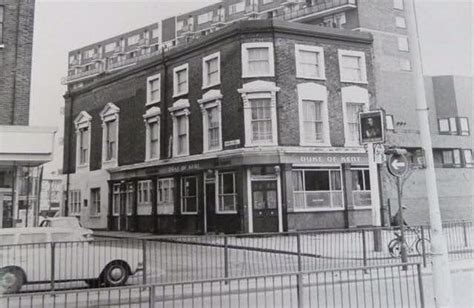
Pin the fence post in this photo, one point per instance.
(53, 257)
(464, 233)
(298, 250)
(226, 257)
(144, 261)
(420, 286)
(364, 248)
(423, 248)
(299, 289)
(151, 296)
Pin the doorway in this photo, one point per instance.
(265, 205)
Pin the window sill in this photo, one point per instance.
(82, 167)
(211, 85)
(176, 95)
(311, 77)
(323, 209)
(324, 144)
(258, 75)
(152, 103)
(226, 212)
(189, 213)
(213, 150)
(152, 159)
(261, 145)
(354, 81)
(95, 216)
(180, 155)
(365, 207)
(353, 145)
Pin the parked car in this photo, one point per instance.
(67, 222)
(28, 255)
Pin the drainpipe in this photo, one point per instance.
(66, 203)
(12, 122)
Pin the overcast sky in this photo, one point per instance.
(63, 25)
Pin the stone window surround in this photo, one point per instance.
(108, 114)
(245, 59)
(363, 68)
(320, 56)
(152, 115)
(210, 99)
(83, 120)
(179, 108)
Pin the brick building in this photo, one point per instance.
(249, 129)
(21, 146)
(391, 67)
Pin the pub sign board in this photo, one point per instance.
(371, 127)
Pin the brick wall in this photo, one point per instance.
(15, 61)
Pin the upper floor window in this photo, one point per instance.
(153, 89)
(205, 17)
(313, 114)
(89, 53)
(110, 47)
(352, 66)
(237, 7)
(389, 122)
(260, 113)
(180, 115)
(227, 193)
(211, 120)
(95, 201)
(354, 100)
(211, 70)
(132, 40)
(454, 126)
(180, 80)
(464, 126)
(152, 122)
(400, 22)
(257, 59)
(155, 33)
(83, 129)
(467, 155)
(165, 195)
(110, 133)
(398, 4)
(452, 158)
(402, 43)
(189, 195)
(309, 62)
(2, 13)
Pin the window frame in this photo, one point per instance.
(109, 114)
(400, 22)
(142, 187)
(152, 116)
(245, 60)
(205, 72)
(362, 65)
(460, 129)
(180, 109)
(464, 160)
(162, 205)
(95, 203)
(211, 99)
(75, 202)
(453, 163)
(353, 95)
(183, 197)
(320, 57)
(221, 195)
(149, 90)
(398, 4)
(389, 124)
(403, 44)
(365, 171)
(176, 70)
(83, 122)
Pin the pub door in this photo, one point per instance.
(265, 206)
(211, 218)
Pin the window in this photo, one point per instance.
(352, 66)
(75, 202)
(110, 134)
(236, 8)
(153, 89)
(180, 80)
(260, 113)
(398, 4)
(227, 193)
(453, 127)
(257, 60)
(309, 62)
(152, 122)
(405, 64)
(180, 116)
(402, 43)
(110, 47)
(210, 105)
(352, 111)
(464, 127)
(132, 40)
(443, 126)
(165, 196)
(189, 195)
(144, 192)
(129, 199)
(317, 190)
(83, 126)
(116, 200)
(467, 155)
(89, 53)
(354, 100)
(95, 201)
(389, 122)
(2, 12)
(204, 18)
(211, 70)
(452, 158)
(83, 146)
(361, 187)
(400, 22)
(312, 121)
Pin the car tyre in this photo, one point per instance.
(92, 283)
(11, 280)
(115, 274)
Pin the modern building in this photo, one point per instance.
(391, 67)
(21, 146)
(250, 129)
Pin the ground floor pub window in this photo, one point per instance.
(317, 189)
(165, 196)
(227, 193)
(189, 195)
(116, 200)
(361, 187)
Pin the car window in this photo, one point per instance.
(45, 223)
(7, 239)
(69, 223)
(32, 238)
(64, 237)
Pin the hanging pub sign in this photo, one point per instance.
(371, 127)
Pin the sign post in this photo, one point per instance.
(397, 165)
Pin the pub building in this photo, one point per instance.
(252, 128)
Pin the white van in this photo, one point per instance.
(39, 255)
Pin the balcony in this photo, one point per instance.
(82, 75)
(143, 42)
(113, 66)
(218, 21)
(251, 11)
(315, 10)
(119, 50)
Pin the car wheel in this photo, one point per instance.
(93, 283)
(11, 280)
(115, 274)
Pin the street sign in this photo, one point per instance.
(397, 165)
(371, 127)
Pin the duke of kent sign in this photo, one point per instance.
(327, 158)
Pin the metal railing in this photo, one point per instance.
(315, 8)
(180, 258)
(378, 286)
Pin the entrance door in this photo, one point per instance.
(265, 206)
(211, 206)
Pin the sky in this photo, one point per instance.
(445, 28)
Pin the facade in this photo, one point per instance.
(36, 146)
(251, 129)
